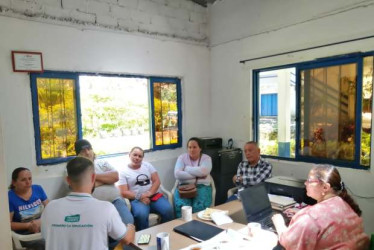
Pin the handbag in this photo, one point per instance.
(188, 191)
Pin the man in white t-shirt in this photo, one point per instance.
(80, 221)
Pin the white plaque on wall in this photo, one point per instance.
(24, 61)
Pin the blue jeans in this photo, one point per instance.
(123, 211)
(232, 198)
(141, 212)
(126, 217)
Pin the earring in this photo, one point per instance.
(323, 194)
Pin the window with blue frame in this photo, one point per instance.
(324, 113)
(114, 112)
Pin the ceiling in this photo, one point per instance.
(203, 2)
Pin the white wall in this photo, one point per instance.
(73, 49)
(245, 29)
(5, 237)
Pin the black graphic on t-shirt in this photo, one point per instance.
(142, 180)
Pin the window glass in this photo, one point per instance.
(165, 113)
(328, 104)
(115, 113)
(57, 117)
(276, 123)
(325, 110)
(367, 103)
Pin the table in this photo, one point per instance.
(178, 241)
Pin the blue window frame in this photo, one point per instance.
(325, 115)
(109, 110)
(168, 128)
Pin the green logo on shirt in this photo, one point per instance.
(73, 218)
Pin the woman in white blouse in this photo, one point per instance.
(193, 167)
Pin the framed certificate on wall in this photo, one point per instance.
(25, 61)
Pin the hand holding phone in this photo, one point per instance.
(144, 239)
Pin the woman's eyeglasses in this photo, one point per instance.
(310, 181)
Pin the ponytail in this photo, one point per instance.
(348, 199)
(330, 174)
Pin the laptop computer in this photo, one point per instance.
(198, 230)
(257, 206)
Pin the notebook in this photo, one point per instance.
(281, 203)
(198, 230)
(257, 206)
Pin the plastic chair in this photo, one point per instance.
(153, 218)
(17, 238)
(231, 191)
(211, 184)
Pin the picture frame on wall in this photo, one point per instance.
(26, 61)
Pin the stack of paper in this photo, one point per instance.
(231, 239)
(221, 218)
(281, 202)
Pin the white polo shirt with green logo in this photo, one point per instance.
(79, 221)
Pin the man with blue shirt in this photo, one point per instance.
(79, 221)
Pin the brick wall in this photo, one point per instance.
(181, 19)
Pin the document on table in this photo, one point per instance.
(231, 239)
(221, 218)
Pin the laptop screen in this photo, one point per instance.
(255, 200)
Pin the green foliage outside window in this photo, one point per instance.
(57, 117)
(165, 113)
(114, 113)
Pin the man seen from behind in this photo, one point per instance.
(79, 221)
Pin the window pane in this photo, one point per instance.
(328, 104)
(367, 102)
(166, 113)
(57, 117)
(277, 125)
(115, 113)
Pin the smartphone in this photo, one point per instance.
(144, 239)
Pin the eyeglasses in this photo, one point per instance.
(310, 181)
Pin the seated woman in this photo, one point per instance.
(193, 167)
(333, 223)
(139, 182)
(26, 204)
